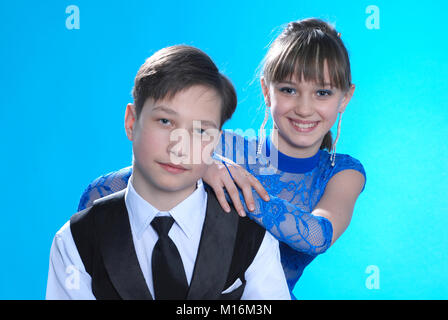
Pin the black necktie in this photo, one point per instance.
(168, 274)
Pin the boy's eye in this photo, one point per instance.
(164, 122)
(200, 131)
(324, 93)
(288, 90)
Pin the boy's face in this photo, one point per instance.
(173, 139)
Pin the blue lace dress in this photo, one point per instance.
(295, 186)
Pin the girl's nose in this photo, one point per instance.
(303, 107)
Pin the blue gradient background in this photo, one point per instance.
(64, 92)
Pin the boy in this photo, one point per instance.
(165, 236)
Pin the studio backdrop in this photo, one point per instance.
(67, 70)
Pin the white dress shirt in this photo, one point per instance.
(68, 279)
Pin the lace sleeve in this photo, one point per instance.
(300, 230)
(103, 186)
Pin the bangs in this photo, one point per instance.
(305, 57)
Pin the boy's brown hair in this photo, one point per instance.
(176, 68)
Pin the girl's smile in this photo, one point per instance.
(303, 126)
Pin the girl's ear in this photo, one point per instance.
(265, 90)
(130, 118)
(346, 98)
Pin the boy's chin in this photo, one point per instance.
(177, 184)
(161, 181)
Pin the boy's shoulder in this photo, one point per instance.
(85, 220)
(246, 226)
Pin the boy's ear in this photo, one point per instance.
(217, 138)
(346, 99)
(265, 90)
(130, 118)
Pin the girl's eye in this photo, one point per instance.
(288, 90)
(324, 93)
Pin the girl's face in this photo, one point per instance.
(303, 112)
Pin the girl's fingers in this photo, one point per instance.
(246, 182)
(234, 195)
(219, 192)
(248, 197)
(258, 187)
(231, 176)
(241, 178)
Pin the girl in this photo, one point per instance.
(305, 191)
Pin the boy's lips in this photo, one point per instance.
(172, 168)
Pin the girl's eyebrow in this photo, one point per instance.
(287, 82)
(325, 84)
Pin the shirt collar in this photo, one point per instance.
(188, 214)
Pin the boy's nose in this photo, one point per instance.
(179, 147)
(179, 152)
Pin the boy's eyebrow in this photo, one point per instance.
(173, 112)
(165, 109)
(209, 123)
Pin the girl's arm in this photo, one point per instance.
(309, 232)
(103, 186)
(338, 201)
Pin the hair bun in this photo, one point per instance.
(312, 24)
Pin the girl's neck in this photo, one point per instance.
(290, 164)
(293, 151)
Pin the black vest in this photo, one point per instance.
(102, 235)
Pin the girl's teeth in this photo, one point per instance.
(305, 126)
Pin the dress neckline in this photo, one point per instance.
(291, 164)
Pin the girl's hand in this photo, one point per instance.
(218, 177)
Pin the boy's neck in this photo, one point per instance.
(160, 199)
